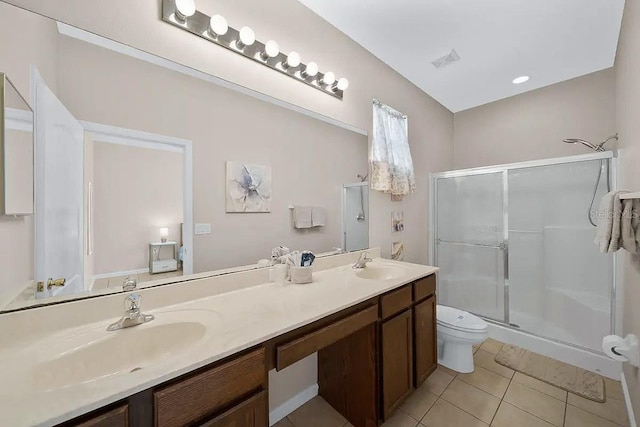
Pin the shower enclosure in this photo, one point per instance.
(355, 221)
(515, 246)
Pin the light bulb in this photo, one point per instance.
(329, 78)
(311, 70)
(342, 84)
(247, 38)
(218, 26)
(520, 80)
(293, 60)
(271, 50)
(185, 9)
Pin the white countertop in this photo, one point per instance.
(235, 321)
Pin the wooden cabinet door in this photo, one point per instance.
(425, 344)
(397, 361)
(118, 417)
(249, 413)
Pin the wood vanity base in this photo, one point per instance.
(370, 358)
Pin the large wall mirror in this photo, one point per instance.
(146, 169)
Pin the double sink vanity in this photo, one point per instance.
(204, 358)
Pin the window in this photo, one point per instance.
(391, 163)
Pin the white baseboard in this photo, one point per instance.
(627, 401)
(292, 404)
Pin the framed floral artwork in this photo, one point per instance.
(248, 187)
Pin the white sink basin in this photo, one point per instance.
(99, 354)
(380, 272)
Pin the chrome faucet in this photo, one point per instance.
(362, 261)
(132, 314)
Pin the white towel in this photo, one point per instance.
(630, 226)
(318, 217)
(302, 217)
(618, 224)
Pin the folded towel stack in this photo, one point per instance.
(308, 217)
(302, 217)
(318, 217)
(618, 224)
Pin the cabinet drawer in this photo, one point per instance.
(118, 417)
(207, 392)
(396, 301)
(249, 413)
(293, 351)
(424, 287)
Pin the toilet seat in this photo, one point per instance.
(460, 320)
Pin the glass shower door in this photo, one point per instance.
(560, 283)
(470, 245)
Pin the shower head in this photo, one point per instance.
(363, 178)
(599, 147)
(583, 142)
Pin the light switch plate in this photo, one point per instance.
(203, 228)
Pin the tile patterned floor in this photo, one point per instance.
(492, 395)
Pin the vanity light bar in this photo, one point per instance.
(184, 15)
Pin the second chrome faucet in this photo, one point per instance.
(133, 316)
(362, 261)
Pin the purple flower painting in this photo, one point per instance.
(248, 187)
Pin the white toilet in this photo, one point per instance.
(458, 332)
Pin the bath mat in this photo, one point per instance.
(562, 375)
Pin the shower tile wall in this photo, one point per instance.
(560, 283)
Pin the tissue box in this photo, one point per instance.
(301, 275)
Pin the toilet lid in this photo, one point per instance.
(458, 319)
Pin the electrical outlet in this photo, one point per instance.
(203, 229)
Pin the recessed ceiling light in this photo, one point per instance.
(521, 79)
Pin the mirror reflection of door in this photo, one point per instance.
(59, 196)
(356, 216)
(137, 210)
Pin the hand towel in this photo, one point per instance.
(302, 217)
(609, 231)
(630, 224)
(318, 217)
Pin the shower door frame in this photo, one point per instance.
(614, 167)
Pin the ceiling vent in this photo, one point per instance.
(446, 60)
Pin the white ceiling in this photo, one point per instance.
(498, 40)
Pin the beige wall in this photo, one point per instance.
(628, 124)
(532, 126)
(135, 192)
(37, 47)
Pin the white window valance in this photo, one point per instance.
(391, 162)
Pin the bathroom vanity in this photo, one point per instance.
(205, 358)
(371, 356)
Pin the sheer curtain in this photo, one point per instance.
(391, 163)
